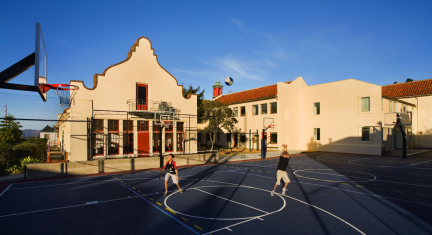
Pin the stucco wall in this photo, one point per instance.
(422, 120)
(341, 119)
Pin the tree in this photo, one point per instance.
(200, 98)
(409, 80)
(10, 133)
(217, 116)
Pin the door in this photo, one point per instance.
(143, 143)
(142, 97)
(235, 140)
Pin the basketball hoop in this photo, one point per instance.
(166, 124)
(271, 127)
(65, 92)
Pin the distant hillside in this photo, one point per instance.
(30, 133)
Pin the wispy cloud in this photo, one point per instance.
(239, 24)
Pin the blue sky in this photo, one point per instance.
(257, 43)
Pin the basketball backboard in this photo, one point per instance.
(39, 59)
(41, 62)
(404, 118)
(268, 123)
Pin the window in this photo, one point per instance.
(365, 104)
(169, 141)
(255, 109)
(235, 112)
(263, 108)
(113, 143)
(365, 134)
(180, 142)
(156, 143)
(128, 137)
(317, 134)
(46, 136)
(143, 125)
(142, 95)
(207, 136)
(316, 108)
(113, 137)
(98, 125)
(242, 138)
(199, 137)
(242, 111)
(98, 137)
(180, 126)
(273, 138)
(113, 125)
(228, 137)
(273, 107)
(170, 128)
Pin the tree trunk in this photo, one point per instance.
(212, 140)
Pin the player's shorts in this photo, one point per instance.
(282, 175)
(172, 176)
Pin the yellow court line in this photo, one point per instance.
(344, 183)
(198, 227)
(259, 171)
(170, 210)
(138, 191)
(133, 187)
(184, 218)
(268, 172)
(359, 186)
(151, 199)
(121, 181)
(327, 180)
(158, 203)
(144, 194)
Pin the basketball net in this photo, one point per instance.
(65, 92)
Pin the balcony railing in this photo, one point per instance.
(137, 105)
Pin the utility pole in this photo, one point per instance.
(5, 109)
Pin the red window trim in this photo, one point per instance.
(182, 125)
(172, 142)
(146, 126)
(177, 147)
(103, 143)
(153, 141)
(127, 133)
(118, 144)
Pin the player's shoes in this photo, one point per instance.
(272, 193)
(181, 190)
(166, 193)
(283, 191)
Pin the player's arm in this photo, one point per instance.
(177, 174)
(175, 168)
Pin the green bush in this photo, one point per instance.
(41, 145)
(7, 156)
(24, 150)
(15, 169)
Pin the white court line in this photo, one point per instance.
(6, 189)
(347, 190)
(352, 226)
(348, 180)
(419, 163)
(358, 159)
(231, 200)
(65, 207)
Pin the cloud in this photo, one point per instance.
(241, 69)
(239, 24)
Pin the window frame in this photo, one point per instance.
(362, 131)
(316, 111)
(317, 134)
(271, 108)
(272, 134)
(243, 111)
(253, 112)
(266, 108)
(235, 111)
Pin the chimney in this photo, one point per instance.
(217, 89)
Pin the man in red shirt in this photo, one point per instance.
(171, 168)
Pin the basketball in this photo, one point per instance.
(229, 81)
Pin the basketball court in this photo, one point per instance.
(328, 194)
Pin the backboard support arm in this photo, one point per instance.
(17, 68)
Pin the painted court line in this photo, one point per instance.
(65, 207)
(162, 210)
(238, 185)
(346, 190)
(231, 200)
(6, 189)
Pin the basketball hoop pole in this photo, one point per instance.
(404, 155)
(263, 143)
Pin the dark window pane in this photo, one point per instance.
(273, 107)
(142, 95)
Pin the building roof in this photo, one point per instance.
(261, 93)
(408, 89)
(47, 129)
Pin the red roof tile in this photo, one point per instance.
(261, 93)
(406, 89)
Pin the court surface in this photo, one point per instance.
(329, 194)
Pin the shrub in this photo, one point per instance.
(25, 150)
(41, 144)
(15, 169)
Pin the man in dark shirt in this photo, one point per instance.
(281, 170)
(171, 168)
